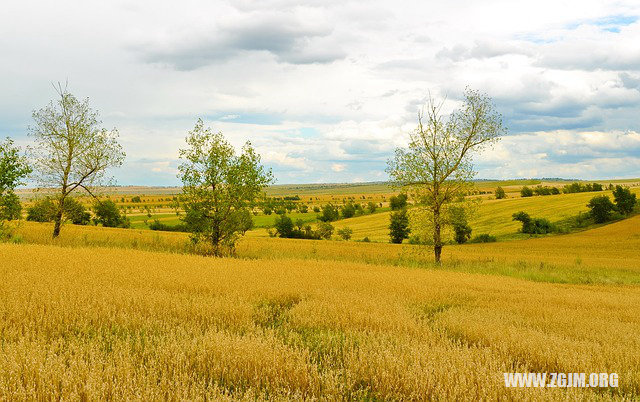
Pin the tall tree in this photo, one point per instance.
(72, 150)
(220, 188)
(14, 168)
(437, 168)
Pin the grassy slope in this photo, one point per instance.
(95, 323)
(493, 216)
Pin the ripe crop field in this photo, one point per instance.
(95, 323)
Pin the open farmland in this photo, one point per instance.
(116, 323)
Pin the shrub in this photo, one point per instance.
(500, 193)
(371, 207)
(324, 230)
(398, 202)
(483, 238)
(157, 225)
(10, 207)
(366, 240)
(76, 212)
(303, 208)
(267, 211)
(533, 226)
(329, 213)
(399, 226)
(316, 209)
(624, 199)
(108, 214)
(601, 208)
(462, 233)
(41, 211)
(348, 210)
(345, 233)
(526, 192)
(284, 226)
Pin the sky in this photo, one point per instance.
(326, 90)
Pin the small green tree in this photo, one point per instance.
(329, 213)
(324, 230)
(348, 210)
(108, 215)
(398, 202)
(345, 233)
(526, 192)
(625, 200)
(284, 226)
(399, 226)
(371, 207)
(533, 225)
(601, 208)
(220, 188)
(14, 169)
(500, 194)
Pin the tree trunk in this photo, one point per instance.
(58, 218)
(437, 236)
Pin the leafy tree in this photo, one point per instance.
(399, 226)
(437, 168)
(500, 193)
(398, 202)
(13, 170)
(526, 192)
(220, 188)
(348, 210)
(625, 200)
(42, 211)
(76, 212)
(108, 215)
(329, 213)
(531, 225)
(345, 233)
(371, 207)
(324, 230)
(10, 207)
(72, 150)
(462, 233)
(601, 208)
(284, 226)
(458, 220)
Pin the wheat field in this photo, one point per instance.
(100, 323)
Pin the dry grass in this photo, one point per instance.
(99, 323)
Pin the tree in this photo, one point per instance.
(348, 210)
(398, 202)
(284, 226)
(399, 226)
(324, 230)
(371, 207)
(601, 208)
(345, 233)
(72, 150)
(45, 211)
(500, 194)
(437, 167)
(220, 188)
(14, 169)
(526, 192)
(107, 213)
(533, 225)
(329, 213)
(625, 200)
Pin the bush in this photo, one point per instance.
(399, 226)
(108, 214)
(366, 240)
(371, 207)
(462, 233)
(324, 230)
(267, 211)
(316, 209)
(601, 208)
(284, 226)
(398, 202)
(10, 207)
(329, 213)
(533, 226)
(45, 211)
(157, 225)
(624, 199)
(348, 210)
(42, 211)
(345, 233)
(76, 212)
(483, 238)
(500, 194)
(526, 192)
(303, 208)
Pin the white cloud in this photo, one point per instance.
(338, 167)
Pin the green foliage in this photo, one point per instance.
(157, 225)
(462, 233)
(399, 226)
(324, 230)
(348, 210)
(13, 167)
(220, 188)
(625, 200)
(371, 207)
(10, 207)
(45, 211)
(108, 215)
(284, 226)
(345, 233)
(483, 238)
(500, 193)
(601, 208)
(533, 225)
(581, 188)
(526, 192)
(546, 190)
(136, 199)
(329, 213)
(398, 202)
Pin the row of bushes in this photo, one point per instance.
(105, 213)
(284, 227)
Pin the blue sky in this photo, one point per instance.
(326, 90)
